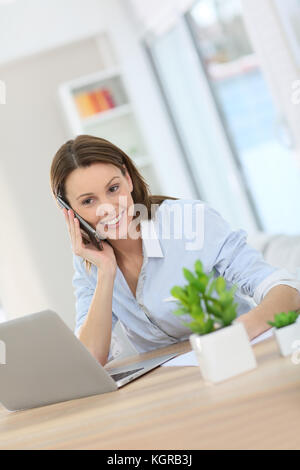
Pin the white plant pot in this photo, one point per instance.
(224, 353)
(288, 338)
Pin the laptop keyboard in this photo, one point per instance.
(122, 375)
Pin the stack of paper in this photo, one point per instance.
(189, 359)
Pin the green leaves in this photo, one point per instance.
(220, 285)
(284, 319)
(206, 300)
(181, 294)
(199, 282)
(200, 326)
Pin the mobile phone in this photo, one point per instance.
(87, 228)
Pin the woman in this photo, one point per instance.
(132, 276)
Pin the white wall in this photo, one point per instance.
(31, 26)
(35, 253)
(19, 282)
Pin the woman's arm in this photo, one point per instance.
(95, 333)
(280, 298)
(274, 290)
(94, 306)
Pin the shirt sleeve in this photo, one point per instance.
(280, 276)
(239, 263)
(84, 291)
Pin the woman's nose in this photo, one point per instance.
(106, 211)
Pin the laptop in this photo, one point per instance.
(46, 363)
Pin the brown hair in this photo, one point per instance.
(85, 150)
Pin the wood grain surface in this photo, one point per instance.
(172, 408)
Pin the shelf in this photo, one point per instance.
(113, 113)
(87, 80)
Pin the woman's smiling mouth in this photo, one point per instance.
(113, 222)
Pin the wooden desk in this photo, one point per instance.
(172, 408)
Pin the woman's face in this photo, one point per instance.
(100, 193)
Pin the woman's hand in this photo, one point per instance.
(105, 259)
(280, 298)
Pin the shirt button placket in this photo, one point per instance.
(141, 279)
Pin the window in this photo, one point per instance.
(225, 118)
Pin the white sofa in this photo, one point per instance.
(280, 250)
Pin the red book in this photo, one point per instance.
(102, 101)
(109, 98)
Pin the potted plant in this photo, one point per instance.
(221, 344)
(287, 331)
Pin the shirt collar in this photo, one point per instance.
(151, 243)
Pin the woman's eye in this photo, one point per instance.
(84, 203)
(112, 189)
(116, 186)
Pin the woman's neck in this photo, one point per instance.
(127, 249)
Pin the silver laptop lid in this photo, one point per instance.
(46, 363)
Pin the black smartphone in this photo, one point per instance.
(93, 235)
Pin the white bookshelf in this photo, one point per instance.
(80, 102)
(103, 116)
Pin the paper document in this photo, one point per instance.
(189, 359)
(267, 334)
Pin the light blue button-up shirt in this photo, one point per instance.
(168, 246)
